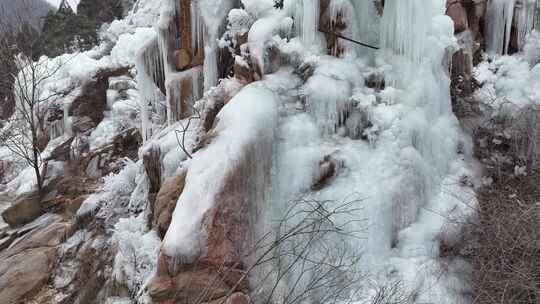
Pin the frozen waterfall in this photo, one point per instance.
(388, 152)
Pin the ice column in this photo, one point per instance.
(499, 18)
(150, 76)
(404, 27)
(368, 22)
(213, 13)
(310, 21)
(525, 23)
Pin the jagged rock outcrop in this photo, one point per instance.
(166, 202)
(26, 266)
(468, 15)
(329, 167)
(88, 108)
(188, 55)
(24, 209)
(218, 269)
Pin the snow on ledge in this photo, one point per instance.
(248, 119)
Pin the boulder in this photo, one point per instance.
(26, 208)
(48, 232)
(24, 274)
(26, 265)
(328, 168)
(83, 272)
(190, 286)
(218, 260)
(166, 202)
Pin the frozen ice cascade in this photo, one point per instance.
(396, 149)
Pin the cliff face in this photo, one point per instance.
(218, 151)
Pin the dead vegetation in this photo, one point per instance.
(502, 240)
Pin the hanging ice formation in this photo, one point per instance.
(404, 30)
(501, 17)
(168, 88)
(368, 25)
(151, 81)
(59, 127)
(310, 21)
(526, 11)
(213, 14)
(404, 27)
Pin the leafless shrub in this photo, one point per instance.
(393, 292)
(22, 134)
(308, 258)
(181, 134)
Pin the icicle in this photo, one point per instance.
(183, 90)
(368, 24)
(67, 120)
(197, 28)
(150, 76)
(213, 13)
(56, 129)
(167, 42)
(310, 22)
(499, 16)
(404, 27)
(525, 23)
(328, 107)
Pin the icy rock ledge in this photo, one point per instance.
(210, 225)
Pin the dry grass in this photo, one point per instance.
(502, 240)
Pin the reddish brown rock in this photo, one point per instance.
(166, 202)
(457, 12)
(24, 274)
(195, 52)
(182, 59)
(221, 264)
(26, 208)
(189, 286)
(26, 266)
(152, 166)
(328, 168)
(244, 70)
